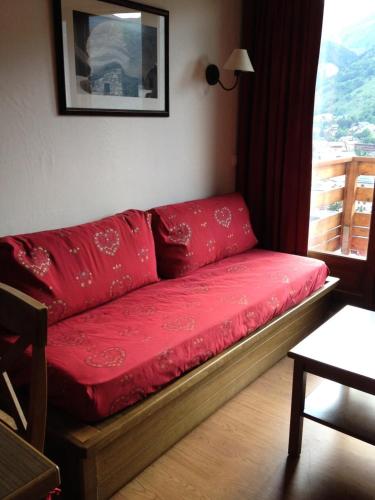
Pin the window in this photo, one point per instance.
(344, 131)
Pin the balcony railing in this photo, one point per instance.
(341, 205)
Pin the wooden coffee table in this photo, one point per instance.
(342, 350)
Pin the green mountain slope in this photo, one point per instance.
(351, 92)
(338, 55)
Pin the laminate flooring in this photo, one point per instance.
(240, 453)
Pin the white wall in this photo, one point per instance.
(64, 170)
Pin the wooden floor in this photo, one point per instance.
(240, 452)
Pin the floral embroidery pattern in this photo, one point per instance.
(236, 299)
(57, 309)
(198, 342)
(126, 379)
(40, 260)
(68, 338)
(74, 250)
(308, 285)
(165, 360)
(108, 358)
(227, 328)
(274, 303)
(108, 241)
(232, 248)
(237, 268)
(210, 245)
(250, 315)
(84, 278)
(140, 310)
(200, 287)
(120, 286)
(125, 400)
(182, 324)
(195, 208)
(143, 254)
(246, 228)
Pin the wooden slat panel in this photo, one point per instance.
(361, 219)
(324, 198)
(367, 168)
(361, 231)
(364, 194)
(327, 170)
(333, 244)
(323, 237)
(323, 225)
(359, 244)
(328, 246)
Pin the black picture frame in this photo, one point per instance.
(113, 60)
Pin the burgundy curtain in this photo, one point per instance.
(276, 114)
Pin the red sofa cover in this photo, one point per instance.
(195, 233)
(106, 359)
(74, 269)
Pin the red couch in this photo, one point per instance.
(117, 332)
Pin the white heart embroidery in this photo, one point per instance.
(39, 261)
(223, 216)
(180, 234)
(108, 241)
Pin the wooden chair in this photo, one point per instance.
(25, 318)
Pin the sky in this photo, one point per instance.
(339, 14)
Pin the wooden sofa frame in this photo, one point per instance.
(98, 459)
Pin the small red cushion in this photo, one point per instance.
(192, 234)
(73, 269)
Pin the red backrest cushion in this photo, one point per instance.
(192, 234)
(76, 268)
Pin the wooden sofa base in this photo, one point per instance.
(97, 460)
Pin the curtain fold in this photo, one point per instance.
(276, 116)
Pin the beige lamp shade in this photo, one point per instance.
(239, 61)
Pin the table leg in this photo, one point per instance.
(297, 407)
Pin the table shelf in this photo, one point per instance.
(344, 409)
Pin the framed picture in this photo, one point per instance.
(112, 58)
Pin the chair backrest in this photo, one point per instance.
(25, 321)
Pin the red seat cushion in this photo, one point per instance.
(192, 234)
(106, 359)
(77, 268)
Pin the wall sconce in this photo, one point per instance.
(238, 61)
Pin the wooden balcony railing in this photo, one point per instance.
(344, 230)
